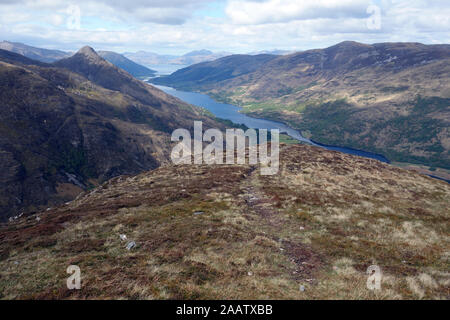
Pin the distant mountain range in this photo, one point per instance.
(388, 98)
(39, 54)
(134, 63)
(68, 126)
(274, 52)
(151, 58)
(49, 56)
(208, 74)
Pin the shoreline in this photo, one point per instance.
(420, 168)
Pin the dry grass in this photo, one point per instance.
(319, 223)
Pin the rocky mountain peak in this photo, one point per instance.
(90, 53)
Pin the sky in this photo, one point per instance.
(237, 26)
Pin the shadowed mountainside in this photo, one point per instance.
(226, 232)
(65, 129)
(136, 70)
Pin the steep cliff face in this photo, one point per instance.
(227, 232)
(62, 133)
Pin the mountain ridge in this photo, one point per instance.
(40, 54)
(136, 70)
(214, 71)
(356, 95)
(62, 133)
(51, 56)
(98, 70)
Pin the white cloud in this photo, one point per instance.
(56, 19)
(176, 26)
(258, 12)
(158, 11)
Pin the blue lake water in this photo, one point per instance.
(231, 112)
(165, 69)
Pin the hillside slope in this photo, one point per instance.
(136, 70)
(61, 133)
(39, 54)
(226, 232)
(207, 75)
(388, 98)
(49, 56)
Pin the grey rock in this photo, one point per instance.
(131, 245)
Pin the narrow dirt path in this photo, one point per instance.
(271, 218)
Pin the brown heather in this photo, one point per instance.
(320, 222)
